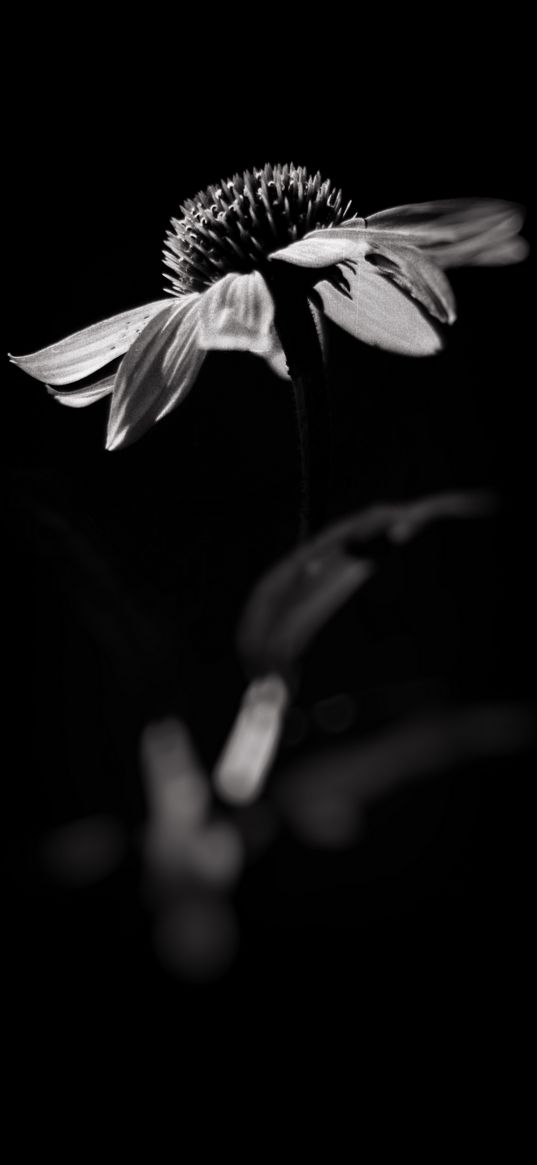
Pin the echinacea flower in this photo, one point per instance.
(379, 278)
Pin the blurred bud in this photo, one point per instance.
(253, 740)
(176, 786)
(211, 855)
(196, 937)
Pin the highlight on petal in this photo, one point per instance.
(403, 264)
(320, 249)
(496, 254)
(157, 372)
(275, 357)
(88, 350)
(80, 398)
(414, 273)
(378, 313)
(457, 231)
(237, 313)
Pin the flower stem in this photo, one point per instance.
(304, 457)
(300, 341)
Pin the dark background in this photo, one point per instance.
(136, 564)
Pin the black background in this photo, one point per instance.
(186, 519)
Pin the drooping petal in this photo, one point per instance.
(414, 273)
(378, 313)
(457, 231)
(81, 397)
(90, 349)
(157, 372)
(501, 254)
(237, 313)
(319, 249)
(405, 265)
(351, 229)
(275, 357)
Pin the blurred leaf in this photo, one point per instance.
(323, 797)
(294, 600)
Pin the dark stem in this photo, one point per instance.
(300, 341)
(302, 424)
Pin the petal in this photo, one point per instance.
(85, 352)
(392, 255)
(510, 251)
(319, 249)
(275, 357)
(157, 372)
(81, 397)
(379, 313)
(346, 229)
(456, 231)
(237, 313)
(414, 273)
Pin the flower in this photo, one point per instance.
(379, 278)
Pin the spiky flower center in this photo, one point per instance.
(236, 225)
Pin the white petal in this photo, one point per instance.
(510, 251)
(379, 313)
(88, 350)
(455, 231)
(277, 362)
(406, 266)
(157, 372)
(412, 271)
(320, 249)
(237, 313)
(349, 224)
(81, 397)
(353, 229)
(276, 359)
